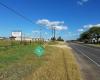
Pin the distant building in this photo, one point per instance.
(27, 38)
(94, 39)
(1, 38)
(4, 38)
(38, 39)
(19, 37)
(12, 38)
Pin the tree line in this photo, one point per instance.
(92, 35)
(58, 39)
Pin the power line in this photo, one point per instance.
(17, 13)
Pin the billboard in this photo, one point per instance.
(16, 34)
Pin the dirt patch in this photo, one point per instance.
(61, 46)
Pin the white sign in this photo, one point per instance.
(16, 34)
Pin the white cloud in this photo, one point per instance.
(86, 27)
(85, 0)
(98, 25)
(81, 2)
(43, 22)
(80, 30)
(58, 25)
(90, 26)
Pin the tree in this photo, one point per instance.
(59, 39)
(85, 36)
(53, 38)
(93, 32)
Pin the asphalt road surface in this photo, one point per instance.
(89, 60)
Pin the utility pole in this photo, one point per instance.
(40, 41)
(54, 33)
(21, 37)
(40, 34)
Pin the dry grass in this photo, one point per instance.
(60, 65)
(20, 63)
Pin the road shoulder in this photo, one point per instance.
(89, 71)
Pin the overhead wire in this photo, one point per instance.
(16, 12)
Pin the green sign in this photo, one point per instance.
(39, 50)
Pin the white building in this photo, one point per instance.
(1, 38)
(27, 38)
(94, 40)
(18, 36)
(38, 39)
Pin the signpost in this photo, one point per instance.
(17, 34)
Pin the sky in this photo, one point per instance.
(70, 17)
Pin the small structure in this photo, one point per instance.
(17, 35)
(2, 38)
(38, 39)
(26, 38)
(12, 38)
(95, 39)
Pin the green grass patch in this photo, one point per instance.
(18, 61)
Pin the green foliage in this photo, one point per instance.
(85, 36)
(18, 61)
(93, 32)
(60, 39)
(53, 38)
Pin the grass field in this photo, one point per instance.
(60, 65)
(19, 62)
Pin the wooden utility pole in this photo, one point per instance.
(21, 37)
(54, 33)
(40, 35)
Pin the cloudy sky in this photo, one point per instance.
(69, 17)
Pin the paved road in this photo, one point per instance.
(89, 60)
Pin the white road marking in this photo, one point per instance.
(89, 47)
(89, 58)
